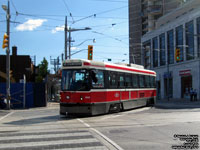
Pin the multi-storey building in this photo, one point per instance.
(142, 17)
(179, 29)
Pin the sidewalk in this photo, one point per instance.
(177, 104)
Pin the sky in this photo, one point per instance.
(37, 28)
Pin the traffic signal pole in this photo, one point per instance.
(8, 97)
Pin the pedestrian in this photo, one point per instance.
(195, 94)
(191, 94)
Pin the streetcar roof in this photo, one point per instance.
(83, 63)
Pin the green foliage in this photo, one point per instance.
(43, 68)
(43, 71)
(38, 79)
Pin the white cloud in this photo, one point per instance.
(59, 28)
(30, 25)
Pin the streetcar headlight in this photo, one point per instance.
(67, 97)
(81, 98)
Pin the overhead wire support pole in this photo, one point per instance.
(69, 43)
(66, 38)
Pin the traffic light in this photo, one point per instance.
(5, 41)
(90, 52)
(177, 54)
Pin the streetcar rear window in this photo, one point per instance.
(152, 82)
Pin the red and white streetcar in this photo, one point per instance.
(92, 88)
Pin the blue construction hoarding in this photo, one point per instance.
(33, 96)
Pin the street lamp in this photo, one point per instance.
(7, 9)
(73, 30)
(94, 41)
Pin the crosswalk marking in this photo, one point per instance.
(39, 140)
(32, 135)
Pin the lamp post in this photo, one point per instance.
(7, 9)
(94, 41)
(73, 30)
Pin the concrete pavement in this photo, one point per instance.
(177, 104)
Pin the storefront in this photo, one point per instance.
(186, 83)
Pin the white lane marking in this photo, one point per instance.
(6, 116)
(102, 135)
(124, 113)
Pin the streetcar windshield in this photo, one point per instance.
(75, 80)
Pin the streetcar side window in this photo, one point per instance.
(135, 81)
(147, 81)
(141, 81)
(121, 81)
(97, 78)
(128, 82)
(112, 79)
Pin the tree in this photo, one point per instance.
(43, 70)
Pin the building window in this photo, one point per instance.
(189, 27)
(155, 52)
(179, 41)
(198, 38)
(162, 49)
(170, 46)
(146, 48)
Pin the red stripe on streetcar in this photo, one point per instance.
(120, 68)
(128, 69)
(86, 64)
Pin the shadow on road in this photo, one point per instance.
(39, 120)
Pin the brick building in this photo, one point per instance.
(19, 65)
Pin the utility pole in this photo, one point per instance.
(70, 40)
(65, 37)
(8, 97)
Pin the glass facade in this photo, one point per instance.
(181, 37)
(189, 27)
(179, 41)
(155, 52)
(147, 47)
(170, 46)
(198, 38)
(162, 49)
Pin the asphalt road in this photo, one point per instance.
(140, 129)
